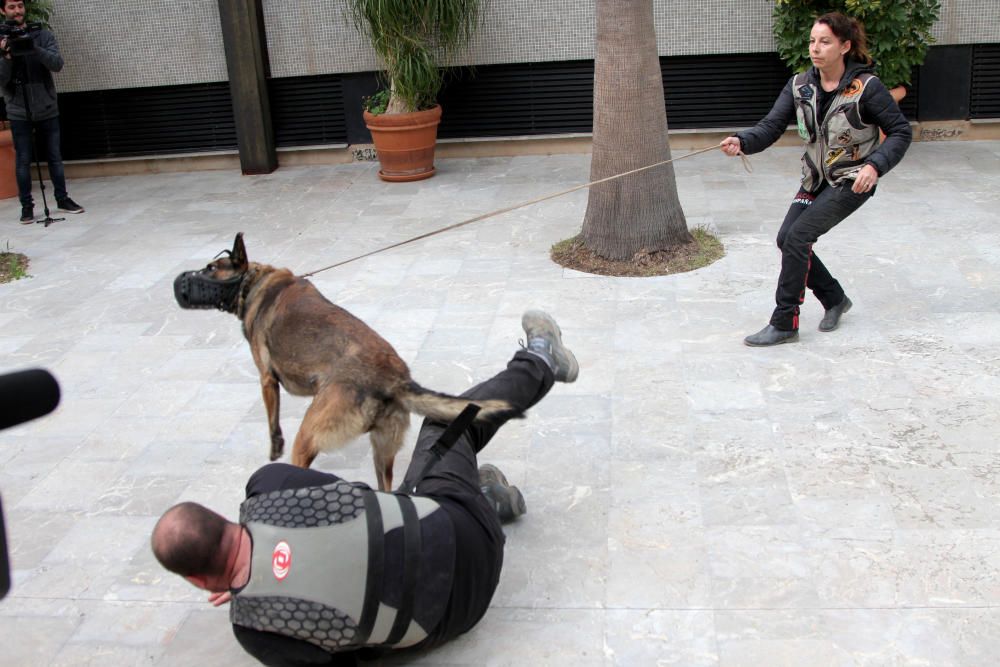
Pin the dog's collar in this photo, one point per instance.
(241, 300)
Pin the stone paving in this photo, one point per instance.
(691, 501)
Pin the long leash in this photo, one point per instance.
(484, 216)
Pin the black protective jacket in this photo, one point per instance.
(872, 109)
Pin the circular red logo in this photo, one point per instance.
(281, 560)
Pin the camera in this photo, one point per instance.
(19, 37)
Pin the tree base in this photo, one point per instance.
(704, 250)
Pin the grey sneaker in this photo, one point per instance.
(507, 500)
(545, 341)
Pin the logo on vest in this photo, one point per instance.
(806, 92)
(853, 88)
(281, 560)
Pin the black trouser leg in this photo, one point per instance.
(48, 130)
(21, 133)
(800, 267)
(523, 383)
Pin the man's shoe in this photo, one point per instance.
(27, 214)
(67, 205)
(504, 498)
(831, 319)
(769, 335)
(545, 341)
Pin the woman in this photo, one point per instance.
(840, 106)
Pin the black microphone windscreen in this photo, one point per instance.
(26, 395)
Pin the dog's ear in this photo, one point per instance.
(239, 256)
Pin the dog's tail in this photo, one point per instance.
(445, 407)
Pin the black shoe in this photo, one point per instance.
(67, 205)
(504, 498)
(545, 341)
(27, 214)
(831, 320)
(769, 335)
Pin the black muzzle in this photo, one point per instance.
(194, 289)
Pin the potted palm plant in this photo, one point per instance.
(410, 38)
(899, 33)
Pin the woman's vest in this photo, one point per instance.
(319, 562)
(838, 144)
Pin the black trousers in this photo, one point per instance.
(808, 218)
(47, 132)
(454, 483)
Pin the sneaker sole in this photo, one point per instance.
(547, 324)
(66, 210)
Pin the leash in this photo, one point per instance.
(508, 209)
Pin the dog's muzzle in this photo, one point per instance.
(194, 289)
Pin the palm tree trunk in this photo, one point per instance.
(642, 211)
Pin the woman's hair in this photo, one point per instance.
(848, 29)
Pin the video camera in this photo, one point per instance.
(24, 395)
(19, 37)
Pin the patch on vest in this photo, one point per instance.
(806, 92)
(834, 155)
(305, 507)
(853, 88)
(281, 560)
(845, 138)
(315, 623)
(803, 132)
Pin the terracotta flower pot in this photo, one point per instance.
(8, 180)
(405, 143)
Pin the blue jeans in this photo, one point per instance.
(48, 140)
(809, 218)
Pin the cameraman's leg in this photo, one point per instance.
(20, 131)
(48, 131)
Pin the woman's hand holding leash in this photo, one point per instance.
(731, 146)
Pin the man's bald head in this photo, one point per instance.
(188, 540)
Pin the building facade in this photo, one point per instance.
(151, 77)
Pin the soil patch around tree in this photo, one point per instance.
(13, 266)
(704, 250)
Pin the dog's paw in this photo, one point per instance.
(277, 448)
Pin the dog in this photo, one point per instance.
(311, 347)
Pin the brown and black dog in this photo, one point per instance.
(312, 347)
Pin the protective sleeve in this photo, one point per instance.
(47, 51)
(772, 126)
(280, 476)
(878, 108)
